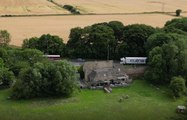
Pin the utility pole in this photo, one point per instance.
(108, 51)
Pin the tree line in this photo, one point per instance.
(166, 49)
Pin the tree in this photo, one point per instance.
(178, 23)
(117, 28)
(136, 36)
(46, 79)
(48, 44)
(94, 42)
(177, 85)
(157, 39)
(155, 73)
(5, 37)
(6, 76)
(103, 42)
(178, 12)
(167, 57)
(4, 54)
(30, 43)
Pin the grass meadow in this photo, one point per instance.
(145, 102)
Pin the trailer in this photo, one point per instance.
(133, 60)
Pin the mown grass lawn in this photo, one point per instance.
(145, 102)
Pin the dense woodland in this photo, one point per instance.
(30, 75)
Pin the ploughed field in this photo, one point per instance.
(26, 27)
(145, 102)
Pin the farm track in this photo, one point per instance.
(37, 15)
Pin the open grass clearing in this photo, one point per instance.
(145, 102)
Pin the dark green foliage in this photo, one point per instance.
(167, 57)
(16, 59)
(16, 68)
(136, 36)
(4, 54)
(171, 29)
(71, 9)
(103, 41)
(180, 23)
(30, 43)
(6, 76)
(4, 38)
(46, 43)
(178, 12)
(93, 42)
(122, 50)
(177, 85)
(117, 28)
(46, 79)
(108, 40)
(29, 55)
(158, 39)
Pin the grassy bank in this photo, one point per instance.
(145, 102)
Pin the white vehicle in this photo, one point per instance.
(133, 60)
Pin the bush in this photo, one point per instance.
(45, 80)
(6, 77)
(178, 12)
(177, 86)
(71, 9)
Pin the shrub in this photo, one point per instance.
(177, 86)
(71, 9)
(6, 77)
(45, 80)
(178, 12)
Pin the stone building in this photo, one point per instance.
(101, 73)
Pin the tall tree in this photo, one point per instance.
(167, 58)
(136, 36)
(48, 44)
(178, 23)
(5, 37)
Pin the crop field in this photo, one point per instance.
(19, 7)
(26, 27)
(126, 6)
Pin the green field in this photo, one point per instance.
(145, 102)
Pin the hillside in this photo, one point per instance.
(20, 7)
(126, 6)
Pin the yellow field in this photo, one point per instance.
(19, 7)
(26, 27)
(126, 6)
